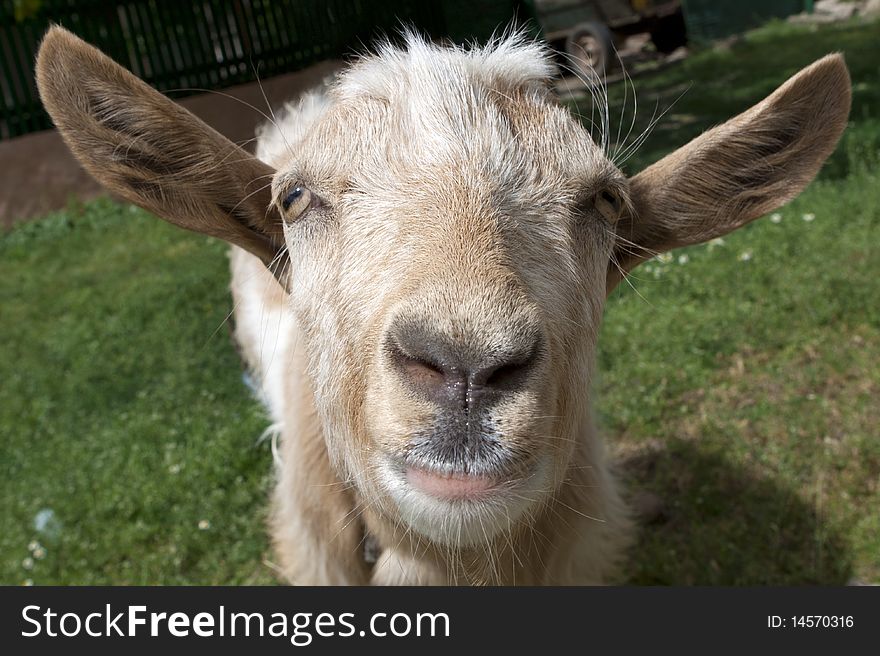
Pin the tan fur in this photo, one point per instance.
(456, 193)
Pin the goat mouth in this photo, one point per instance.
(462, 506)
(474, 482)
(450, 485)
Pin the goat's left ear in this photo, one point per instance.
(737, 171)
(153, 152)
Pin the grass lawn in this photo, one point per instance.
(739, 380)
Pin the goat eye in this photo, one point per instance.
(296, 202)
(609, 205)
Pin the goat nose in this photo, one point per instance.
(457, 376)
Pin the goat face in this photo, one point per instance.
(451, 230)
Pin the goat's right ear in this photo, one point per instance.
(151, 151)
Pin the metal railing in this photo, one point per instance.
(207, 44)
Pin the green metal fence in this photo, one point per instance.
(211, 44)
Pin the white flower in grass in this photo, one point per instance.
(33, 545)
(664, 258)
(174, 469)
(27, 583)
(715, 243)
(745, 256)
(204, 525)
(39, 553)
(28, 563)
(683, 259)
(776, 217)
(808, 217)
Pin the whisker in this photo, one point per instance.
(271, 111)
(226, 95)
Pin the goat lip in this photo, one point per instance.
(450, 486)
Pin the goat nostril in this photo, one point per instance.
(421, 372)
(503, 374)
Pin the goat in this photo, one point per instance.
(431, 241)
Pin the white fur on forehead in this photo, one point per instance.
(423, 106)
(404, 115)
(289, 125)
(508, 62)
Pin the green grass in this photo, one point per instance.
(741, 392)
(122, 408)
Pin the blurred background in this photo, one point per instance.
(738, 379)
